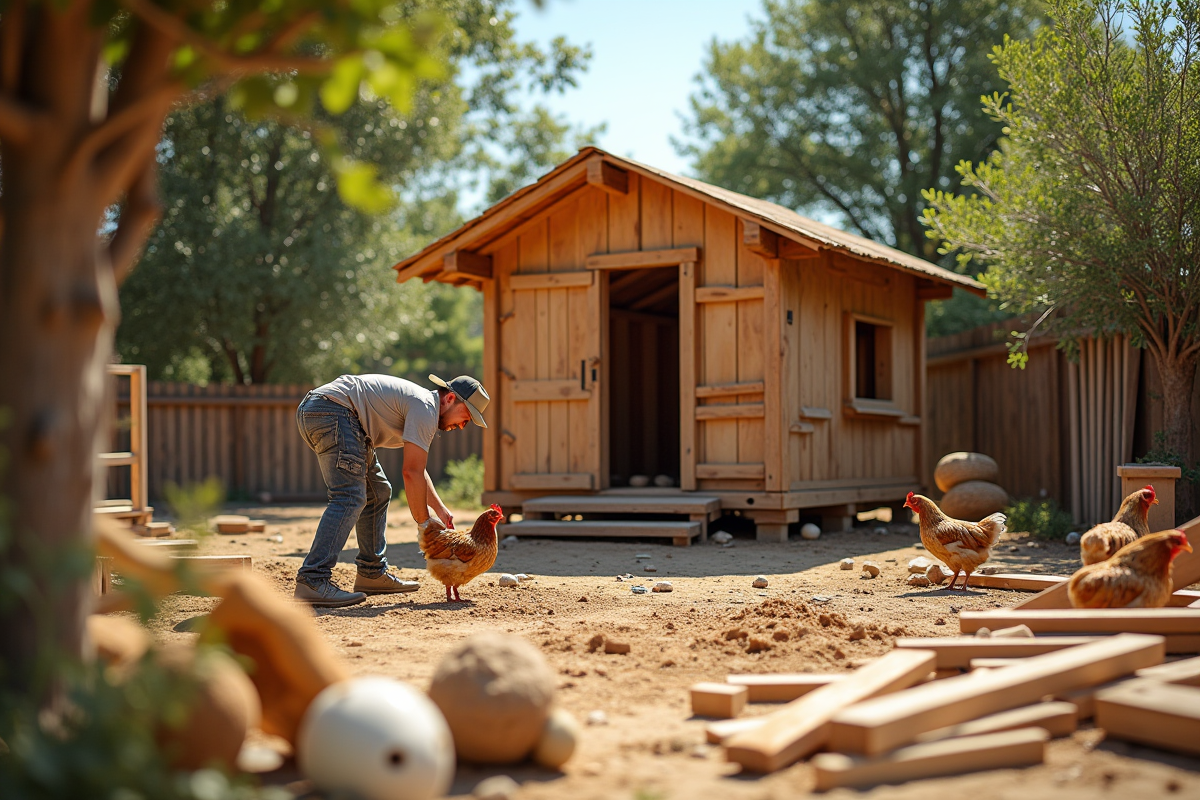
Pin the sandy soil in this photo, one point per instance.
(813, 617)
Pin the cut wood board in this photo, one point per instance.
(1084, 700)
(720, 700)
(216, 563)
(780, 688)
(957, 652)
(1157, 621)
(1016, 748)
(1185, 572)
(1019, 581)
(102, 577)
(803, 726)
(1186, 672)
(168, 544)
(994, 663)
(719, 732)
(1151, 712)
(1056, 718)
(878, 725)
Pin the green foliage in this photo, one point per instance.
(960, 313)
(192, 506)
(1041, 518)
(849, 108)
(1162, 454)
(263, 269)
(465, 484)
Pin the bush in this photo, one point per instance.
(466, 483)
(1043, 519)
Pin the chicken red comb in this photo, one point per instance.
(1150, 489)
(909, 498)
(497, 509)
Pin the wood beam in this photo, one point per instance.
(1153, 713)
(1083, 621)
(670, 290)
(604, 175)
(789, 248)
(758, 239)
(465, 262)
(729, 294)
(642, 259)
(781, 688)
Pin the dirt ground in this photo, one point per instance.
(714, 623)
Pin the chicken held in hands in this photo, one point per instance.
(960, 545)
(1104, 540)
(457, 557)
(1137, 576)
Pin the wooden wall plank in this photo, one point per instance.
(751, 341)
(657, 217)
(624, 218)
(688, 226)
(720, 354)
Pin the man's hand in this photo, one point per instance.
(444, 515)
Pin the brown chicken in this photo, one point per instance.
(456, 557)
(1138, 576)
(1103, 541)
(960, 545)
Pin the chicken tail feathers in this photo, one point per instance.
(993, 526)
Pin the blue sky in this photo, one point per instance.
(645, 54)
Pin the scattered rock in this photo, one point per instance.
(700, 751)
(1015, 632)
(760, 582)
(614, 648)
(663, 586)
(757, 645)
(640, 590)
(649, 568)
(781, 636)
(810, 531)
(582, 599)
(918, 565)
(595, 643)
(642, 555)
(939, 621)
(821, 598)
(353, 643)
(871, 569)
(881, 531)
(558, 741)
(956, 468)
(497, 787)
(990, 570)
(983, 633)
(597, 718)
(1073, 537)
(859, 632)
(974, 500)
(276, 538)
(508, 580)
(936, 574)
(919, 581)
(846, 563)
(664, 481)
(722, 537)
(522, 577)
(507, 540)
(639, 481)
(918, 546)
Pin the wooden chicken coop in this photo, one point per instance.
(643, 323)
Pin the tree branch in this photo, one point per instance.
(139, 216)
(18, 121)
(12, 42)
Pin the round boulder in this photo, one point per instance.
(974, 500)
(956, 468)
(495, 691)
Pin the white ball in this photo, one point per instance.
(810, 531)
(378, 738)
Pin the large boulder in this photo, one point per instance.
(956, 468)
(974, 500)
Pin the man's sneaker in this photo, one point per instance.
(386, 583)
(326, 594)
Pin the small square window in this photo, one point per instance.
(869, 358)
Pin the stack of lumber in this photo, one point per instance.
(237, 523)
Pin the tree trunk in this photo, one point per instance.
(1178, 380)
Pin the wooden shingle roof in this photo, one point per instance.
(571, 174)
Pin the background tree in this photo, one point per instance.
(1088, 212)
(72, 144)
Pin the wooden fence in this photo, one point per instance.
(246, 436)
(1057, 428)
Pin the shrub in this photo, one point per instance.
(1043, 519)
(465, 484)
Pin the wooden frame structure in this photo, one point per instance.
(724, 322)
(136, 509)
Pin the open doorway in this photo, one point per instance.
(643, 343)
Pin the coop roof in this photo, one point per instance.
(527, 202)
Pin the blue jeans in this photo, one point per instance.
(359, 491)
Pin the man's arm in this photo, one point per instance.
(435, 502)
(416, 482)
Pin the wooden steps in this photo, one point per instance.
(680, 533)
(698, 508)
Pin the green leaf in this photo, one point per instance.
(358, 187)
(340, 89)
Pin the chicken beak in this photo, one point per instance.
(1187, 546)
(1154, 502)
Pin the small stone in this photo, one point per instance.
(522, 577)
(757, 645)
(595, 643)
(918, 546)
(663, 586)
(700, 751)
(939, 621)
(276, 538)
(1073, 537)
(582, 599)
(597, 718)
(354, 643)
(497, 787)
(781, 636)
(640, 590)
(722, 537)
(871, 569)
(918, 565)
(616, 648)
(664, 481)
(649, 568)
(642, 555)
(810, 531)
(991, 570)
(936, 575)
(859, 632)
(983, 633)
(880, 531)
(760, 582)
(821, 598)
(507, 540)
(508, 580)
(846, 563)
(1015, 632)
(919, 581)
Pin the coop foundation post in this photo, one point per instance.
(772, 525)
(837, 518)
(1162, 478)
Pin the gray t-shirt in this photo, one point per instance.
(392, 410)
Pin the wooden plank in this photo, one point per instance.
(1056, 718)
(760, 240)
(465, 262)
(643, 259)
(551, 480)
(622, 528)
(491, 382)
(728, 389)
(781, 688)
(723, 730)
(1009, 749)
(720, 700)
(774, 357)
(221, 563)
(730, 471)
(729, 294)
(882, 724)
(803, 726)
(720, 346)
(738, 411)
(751, 359)
(815, 412)
(593, 237)
(958, 652)
(688, 376)
(1151, 712)
(552, 280)
(1020, 581)
(547, 391)
(1185, 672)
(1159, 621)
(606, 176)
